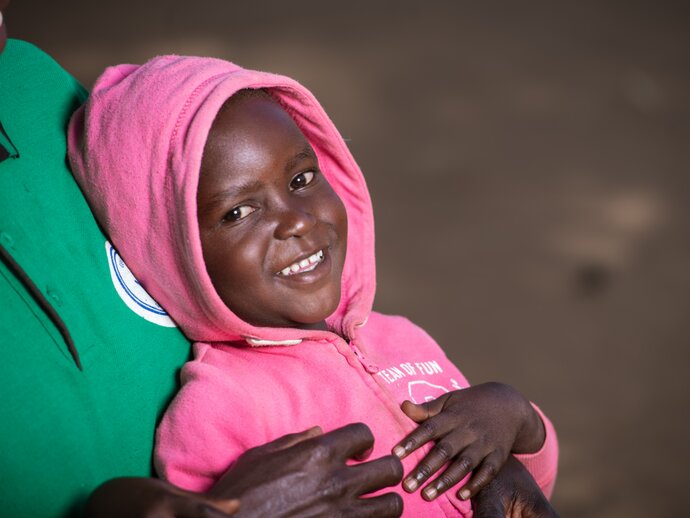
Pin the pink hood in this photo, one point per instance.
(135, 149)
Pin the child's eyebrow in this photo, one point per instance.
(241, 190)
(236, 191)
(306, 154)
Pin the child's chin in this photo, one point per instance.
(316, 321)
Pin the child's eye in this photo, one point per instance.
(237, 213)
(302, 180)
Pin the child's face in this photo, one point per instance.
(273, 231)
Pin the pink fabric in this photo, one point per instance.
(135, 149)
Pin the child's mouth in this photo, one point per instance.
(305, 265)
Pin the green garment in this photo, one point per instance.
(63, 431)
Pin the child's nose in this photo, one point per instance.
(294, 222)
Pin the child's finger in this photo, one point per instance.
(485, 473)
(434, 460)
(423, 411)
(432, 425)
(417, 413)
(452, 476)
(425, 432)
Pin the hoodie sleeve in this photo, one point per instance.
(204, 430)
(398, 338)
(543, 464)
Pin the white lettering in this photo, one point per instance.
(429, 368)
(384, 374)
(408, 368)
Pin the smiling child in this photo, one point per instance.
(234, 200)
(260, 186)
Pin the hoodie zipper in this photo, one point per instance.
(368, 365)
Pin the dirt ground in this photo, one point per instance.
(530, 169)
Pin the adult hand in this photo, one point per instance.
(306, 475)
(512, 494)
(302, 474)
(140, 497)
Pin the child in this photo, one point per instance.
(233, 199)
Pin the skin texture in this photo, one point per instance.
(328, 487)
(512, 494)
(302, 474)
(153, 498)
(263, 205)
(475, 429)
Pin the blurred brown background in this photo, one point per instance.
(530, 169)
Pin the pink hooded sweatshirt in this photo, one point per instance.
(136, 149)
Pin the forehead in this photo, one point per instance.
(251, 132)
(253, 117)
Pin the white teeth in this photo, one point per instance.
(305, 265)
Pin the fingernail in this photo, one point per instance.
(399, 452)
(465, 494)
(430, 493)
(411, 484)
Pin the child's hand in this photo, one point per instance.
(475, 429)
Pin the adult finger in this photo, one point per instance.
(485, 473)
(289, 440)
(376, 474)
(389, 505)
(227, 506)
(350, 441)
(192, 506)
